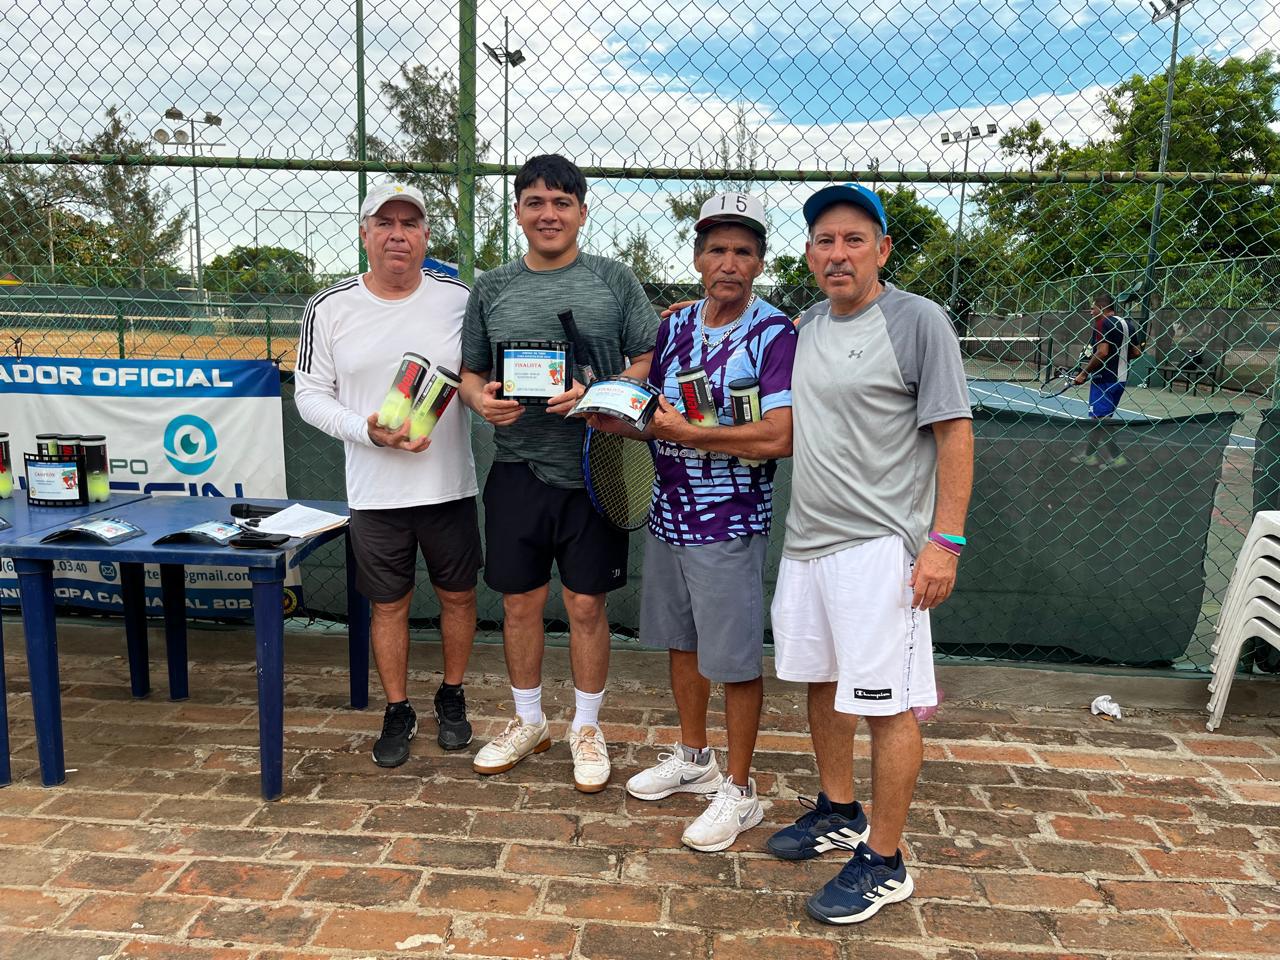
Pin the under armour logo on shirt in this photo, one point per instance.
(855, 354)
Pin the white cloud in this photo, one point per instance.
(605, 82)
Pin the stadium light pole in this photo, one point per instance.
(966, 137)
(180, 139)
(506, 58)
(1160, 11)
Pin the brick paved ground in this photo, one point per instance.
(1038, 832)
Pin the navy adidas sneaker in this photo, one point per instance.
(864, 885)
(819, 830)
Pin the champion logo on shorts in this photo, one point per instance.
(861, 693)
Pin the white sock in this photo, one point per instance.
(528, 704)
(586, 709)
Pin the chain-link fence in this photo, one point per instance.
(177, 178)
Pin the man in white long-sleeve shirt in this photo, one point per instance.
(405, 495)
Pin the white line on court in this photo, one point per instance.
(1071, 406)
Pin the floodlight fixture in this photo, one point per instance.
(173, 113)
(161, 135)
(212, 119)
(181, 136)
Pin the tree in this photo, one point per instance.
(739, 149)
(99, 225)
(795, 289)
(263, 271)
(913, 226)
(125, 197)
(1225, 118)
(638, 253)
(425, 103)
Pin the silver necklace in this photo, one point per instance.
(708, 344)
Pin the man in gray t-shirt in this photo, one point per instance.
(883, 466)
(536, 506)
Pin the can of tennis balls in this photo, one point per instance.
(69, 445)
(431, 402)
(395, 408)
(47, 444)
(695, 391)
(744, 399)
(97, 468)
(6, 467)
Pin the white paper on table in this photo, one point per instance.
(297, 520)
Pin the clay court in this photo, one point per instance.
(149, 344)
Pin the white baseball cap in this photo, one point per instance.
(389, 190)
(732, 208)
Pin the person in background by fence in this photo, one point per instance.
(882, 431)
(1107, 371)
(405, 495)
(537, 510)
(704, 554)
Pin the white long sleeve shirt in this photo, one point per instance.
(349, 351)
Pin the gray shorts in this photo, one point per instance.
(707, 599)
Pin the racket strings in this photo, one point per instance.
(622, 477)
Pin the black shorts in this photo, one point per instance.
(528, 524)
(386, 544)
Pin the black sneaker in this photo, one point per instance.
(399, 724)
(451, 714)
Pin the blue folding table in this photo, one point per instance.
(24, 519)
(160, 516)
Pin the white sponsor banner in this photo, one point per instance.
(207, 428)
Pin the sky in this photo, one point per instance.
(824, 85)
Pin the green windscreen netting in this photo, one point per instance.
(177, 178)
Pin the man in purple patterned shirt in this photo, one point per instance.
(709, 527)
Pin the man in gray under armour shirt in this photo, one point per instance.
(883, 466)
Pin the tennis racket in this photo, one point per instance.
(1063, 379)
(619, 472)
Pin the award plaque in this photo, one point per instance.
(56, 481)
(533, 371)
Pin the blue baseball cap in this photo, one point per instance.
(854, 193)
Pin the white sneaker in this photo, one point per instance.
(511, 746)
(590, 759)
(675, 774)
(728, 814)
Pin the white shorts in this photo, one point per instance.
(847, 618)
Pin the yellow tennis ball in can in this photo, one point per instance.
(744, 398)
(6, 468)
(97, 468)
(399, 400)
(432, 401)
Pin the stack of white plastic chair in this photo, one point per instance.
(1250, 610)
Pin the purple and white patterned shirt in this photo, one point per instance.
(705, 497)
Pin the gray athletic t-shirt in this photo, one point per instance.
(613, 315)
(863, 391)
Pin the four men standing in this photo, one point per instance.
(876, 409)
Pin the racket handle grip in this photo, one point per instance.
(570, 327)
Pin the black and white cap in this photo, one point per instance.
(741, 208)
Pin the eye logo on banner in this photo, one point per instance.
(190, 444)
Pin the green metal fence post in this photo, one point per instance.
(120, 330)
(268, 318)
(362, 183)
(467, 141)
